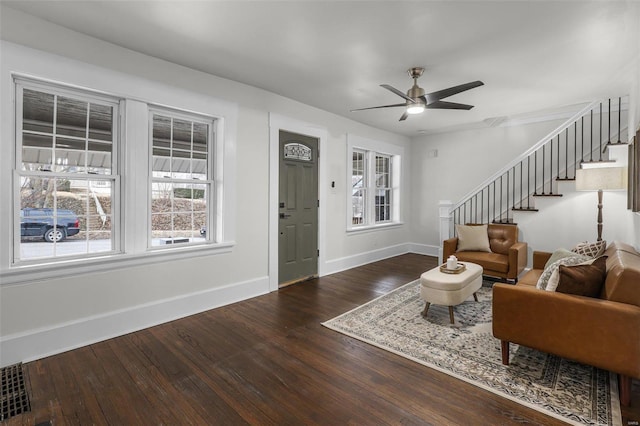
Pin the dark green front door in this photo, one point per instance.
(298, 208)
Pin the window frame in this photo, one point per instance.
(386, 188)
(19, 85)
(210, 181)
(372, 149)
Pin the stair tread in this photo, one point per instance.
(522, 209)
(547, 195)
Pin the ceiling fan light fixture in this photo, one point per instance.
(415, 109)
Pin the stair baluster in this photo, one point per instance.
(575, 148)
(600, 138)
(619, 118)
(528, 181)
(609, 124)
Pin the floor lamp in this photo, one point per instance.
(601, 179)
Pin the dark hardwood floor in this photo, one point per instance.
(266, 361)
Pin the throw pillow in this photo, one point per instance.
(592, 250)
(552, 284)
(557, 255)
(583, 280)
(472, 238)
(543, 281)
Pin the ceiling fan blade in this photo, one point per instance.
(445, 93)
(448, 105)
(398, 92)
(404, 116)
(382, 106)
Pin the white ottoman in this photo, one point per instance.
(450, 289)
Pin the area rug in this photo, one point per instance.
(569, 391)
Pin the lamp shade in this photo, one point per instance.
(602, 178)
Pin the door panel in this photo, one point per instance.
(298, 212)
(308, 249)
(290, 243)
(291, 200)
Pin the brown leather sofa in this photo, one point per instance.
(508, 256)
(603, 332)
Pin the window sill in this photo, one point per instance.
(373, 228)
(20, 274)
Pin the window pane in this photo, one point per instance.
(382, 172)
(101, 122)
(66, 149)
(179, 213)
(37, 152)
(357, 201)
(60, 217)
(179, 148)
(382, 205)
(200, 137)
(181, 134)
(161, 228)
(70, 155)
(71, 117)
(358, 174)
(37, 111)
(161, 132)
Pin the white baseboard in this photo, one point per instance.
(348, 262)
(36, 344)
(425, 249)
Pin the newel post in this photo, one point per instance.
(446, 223)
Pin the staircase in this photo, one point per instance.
(539, 172)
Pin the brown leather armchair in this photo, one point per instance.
(508, 256)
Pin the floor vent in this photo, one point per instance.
(15, 399)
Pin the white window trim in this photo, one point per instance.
(371, 147)
(19, 83)
(139, 93)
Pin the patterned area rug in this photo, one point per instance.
(572, 392)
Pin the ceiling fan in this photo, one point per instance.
(416, 100)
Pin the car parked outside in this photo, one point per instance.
(43, 223)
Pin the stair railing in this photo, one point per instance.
(532, 174)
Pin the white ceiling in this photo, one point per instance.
(531, 55)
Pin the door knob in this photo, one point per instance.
(284, 216)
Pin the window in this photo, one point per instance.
(66, 173)
(358, 188)
(383, 188)
(88, 194)
(181, 184)
(374, 172)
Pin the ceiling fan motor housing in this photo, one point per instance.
(416, 91)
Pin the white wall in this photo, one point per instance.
(50, 315)
(464, 160)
